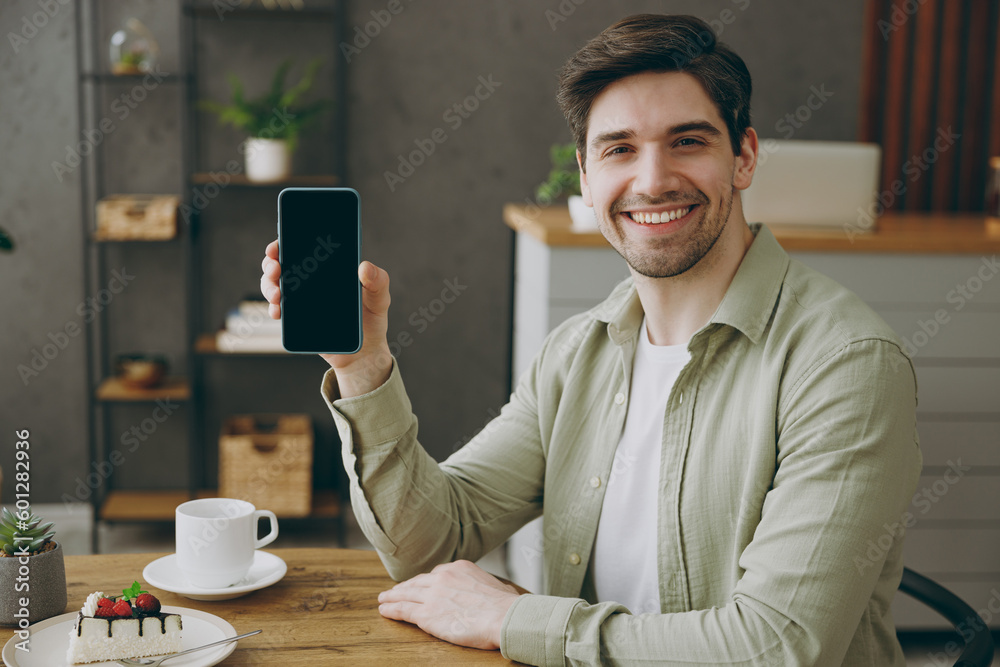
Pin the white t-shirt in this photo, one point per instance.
(624, 562)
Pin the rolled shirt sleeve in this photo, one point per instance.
(419, 513)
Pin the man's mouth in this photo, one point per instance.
(659, 217)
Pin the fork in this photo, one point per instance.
(155, 662)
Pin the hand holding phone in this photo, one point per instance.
(369, 368)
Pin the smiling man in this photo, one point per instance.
(713, 448)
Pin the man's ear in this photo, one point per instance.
(746, 161)
(584, 186)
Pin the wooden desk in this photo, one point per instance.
(935, 233)
(323, 612)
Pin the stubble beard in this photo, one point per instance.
(664, 258)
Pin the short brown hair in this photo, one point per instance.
(656, 43)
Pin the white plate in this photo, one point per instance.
(50, 641)
(164, 573)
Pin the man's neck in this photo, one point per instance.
(677, 307)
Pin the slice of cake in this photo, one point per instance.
(128, 626)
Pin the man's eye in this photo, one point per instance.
(617, 150)
(692, 142)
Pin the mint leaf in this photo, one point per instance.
(132, 592)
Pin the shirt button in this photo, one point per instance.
(619, 398)
(574, 559)
(680, 399)
(595, 482)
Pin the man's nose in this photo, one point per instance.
(656, 173)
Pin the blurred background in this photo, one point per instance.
(439, 113)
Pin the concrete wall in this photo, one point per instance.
(440, 226)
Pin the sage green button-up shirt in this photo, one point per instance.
(789, 450)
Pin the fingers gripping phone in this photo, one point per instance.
(319, 249)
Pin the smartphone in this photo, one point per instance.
(319, 249)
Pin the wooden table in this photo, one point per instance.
(895, 232)
(323, 612)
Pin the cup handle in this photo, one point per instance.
(267, 539)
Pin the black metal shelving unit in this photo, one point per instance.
(93, 80)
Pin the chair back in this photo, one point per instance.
(978, 640)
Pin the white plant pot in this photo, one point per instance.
(582, 215)
(267, 160)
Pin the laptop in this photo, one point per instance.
(815, 184)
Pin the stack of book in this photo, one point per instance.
(250, 329)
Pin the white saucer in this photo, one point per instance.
(164, 573)
(50, 639)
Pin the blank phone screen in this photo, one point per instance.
(319, 248)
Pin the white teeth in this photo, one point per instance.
(656, 218)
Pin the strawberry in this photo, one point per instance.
(147, 604)
(105, 612)
(122, 608)
(105, 602)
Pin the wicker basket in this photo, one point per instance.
(139, 217)
(267, 460)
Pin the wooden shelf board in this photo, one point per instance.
(171, 388)
(932, 233)
(159, 505)
(131, 79)
(205, 8)
(240, 180)
(206, 344)
(100, 237)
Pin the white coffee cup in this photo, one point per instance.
(216, 540)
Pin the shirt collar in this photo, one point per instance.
(746, 306)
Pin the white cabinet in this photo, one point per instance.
(947, 309)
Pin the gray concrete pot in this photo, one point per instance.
(45, 592)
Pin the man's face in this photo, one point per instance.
(657, 149)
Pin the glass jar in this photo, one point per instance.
(133, 49)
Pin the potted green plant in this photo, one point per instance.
(32, 573)
(564, 181)
(272, 120)
(6, 242)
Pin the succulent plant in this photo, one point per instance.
(20, 535)
(564, 179)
